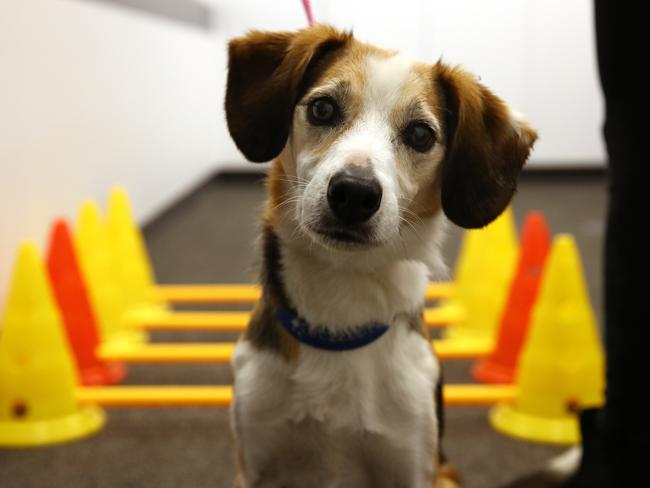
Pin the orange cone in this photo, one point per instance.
(501, 365)
(74, 305)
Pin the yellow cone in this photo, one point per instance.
(562, 364)
(37, 375)
(133, 265)
(484, 272)
(101, 273)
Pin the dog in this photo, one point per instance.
(373, 153)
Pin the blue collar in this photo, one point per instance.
(322, 338)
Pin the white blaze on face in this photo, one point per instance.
(386, 78)
(371, 137)
(372, 131)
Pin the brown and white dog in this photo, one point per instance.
(372, 153)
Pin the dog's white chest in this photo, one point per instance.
(367, 389)
(368, 412)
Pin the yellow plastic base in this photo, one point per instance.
(25, 433)
(547, 430)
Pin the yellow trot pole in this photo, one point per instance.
(221, 396)
(237, 321)
(221, 352)
(251, 293)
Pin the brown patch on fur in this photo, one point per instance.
(278, 191)
(268, 72)
(417, 324)
(447, 477)
(427, 201)
(238, 483)
(486, 149)
(361, 160)
(264, 330)
(239, 476)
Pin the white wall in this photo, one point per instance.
(92, 95)
(561, 87)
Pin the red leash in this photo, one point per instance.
(310, 16)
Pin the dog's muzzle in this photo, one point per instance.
(354, 195)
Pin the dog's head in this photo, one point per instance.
(369, 140)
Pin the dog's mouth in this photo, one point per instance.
(344, 237)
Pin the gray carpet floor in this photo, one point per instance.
(209, 236)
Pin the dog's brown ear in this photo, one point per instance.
(268, 72)
(487, 145)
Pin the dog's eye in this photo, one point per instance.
(322, 111)
(420, 136)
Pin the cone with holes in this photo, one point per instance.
(483, 275)
(100, 273)
(501, 365)
(562, 365)
(132, 264)
(74, 305)
(37, 374)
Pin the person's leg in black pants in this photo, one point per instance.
(616, 438)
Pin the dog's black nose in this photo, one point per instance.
(354, 195)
